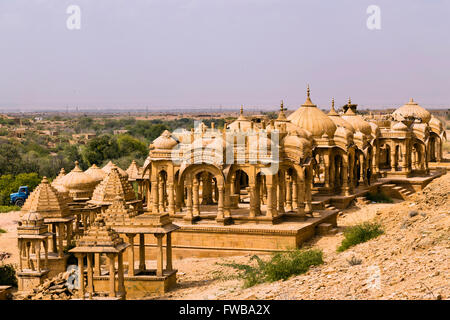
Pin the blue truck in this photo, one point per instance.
(18, 198)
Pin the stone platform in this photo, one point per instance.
(143, 284)
(209, 239)
(415, 183)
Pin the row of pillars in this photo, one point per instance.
(29, 246)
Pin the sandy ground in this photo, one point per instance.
(8, 240)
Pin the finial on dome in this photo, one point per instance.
(308, 101)
(281, 115)
(411, 100)
(44, 179)
(242, 110)
(349, 101)
(76, 162)
(332, 104)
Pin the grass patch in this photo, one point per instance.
(9, 208)
(360, 233)
(8, 275)
(2, 230)
(281, 266)
(379, 197)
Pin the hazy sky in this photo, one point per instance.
(207, 53)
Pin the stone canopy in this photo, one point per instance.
(47, 201)
(112, 186)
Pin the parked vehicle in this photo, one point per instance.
(18, 198)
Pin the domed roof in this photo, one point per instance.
(95, 172)
(296, 142)
(57, 180)
(107, 169)
(31, 219)
(413, 110)
(296, 130)
(400, 126)
(357, 122)
(79, 184)
(436, 123)
(297, 145)
(241, 123)
(337, 119)
(165, 141)
(311, 118)
(46, 201)
(99, 238)
(112, 186)
(343, 132)
(134, 171)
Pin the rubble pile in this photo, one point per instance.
(52, 289)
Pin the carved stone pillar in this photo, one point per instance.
(220, 202)
(141, 252)
(131, 254)
(169, 252)
(308, 185)
(326, 159)
(196, 197)
(155, 196)
(252, 194)
(112, 276)
(159, 254)
(289, 194)
(189, 214)
(281, 192)
(81, 290)
(294, 194)
(170, 190)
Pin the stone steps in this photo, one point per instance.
(396, 191)
(324, 228)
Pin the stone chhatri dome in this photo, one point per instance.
(399, 126)
(241, 123)
(56, 183)
(119, 213)
(31, 224)
(95, 172)
(112, 186)
(413, 110)
(107, 169)
(337, 119)
(311, 118)
(57, 180)
(357, 122)
(46, 201)
(165, 141)
(99, 235)
(79, 184)
(134, 171)
(31, 219)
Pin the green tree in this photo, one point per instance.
(128, 145)
(99, 149)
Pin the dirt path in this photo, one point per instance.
(8, 240)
